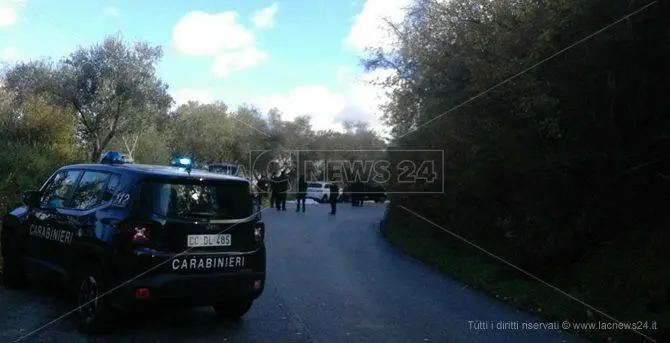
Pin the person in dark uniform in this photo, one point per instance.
(262, 189)
(360, 189)
(353, 196)
(283, 188)
(334, 194)
(302, 193)
(274, 192)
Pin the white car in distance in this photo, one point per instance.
(320, 191)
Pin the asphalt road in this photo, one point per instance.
(330, 279)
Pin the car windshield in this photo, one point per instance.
(221, 200)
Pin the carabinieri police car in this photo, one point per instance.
(122, 235)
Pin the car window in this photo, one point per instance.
(88, 191)
(112, 187)
(313, 185)
(114, 182)
(221, 200)
(59, 190)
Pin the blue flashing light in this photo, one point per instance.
(183, 163)
(115, 157)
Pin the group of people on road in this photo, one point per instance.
(277, 189)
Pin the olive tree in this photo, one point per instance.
(111, 88)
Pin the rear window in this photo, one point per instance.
(314, 185)
(220, 200)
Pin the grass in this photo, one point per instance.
(606, 281)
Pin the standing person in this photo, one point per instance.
(274, 192)
(334, 194)
(355, 195)
(352, 194)
(283, 189)
(302, 193)
(262, 186)
(360, 189)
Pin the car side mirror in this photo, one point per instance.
(31, 198)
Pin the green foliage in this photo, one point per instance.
(111, 87)
(212, 133)
(36, 139)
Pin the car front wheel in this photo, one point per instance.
(94, 313)
(233, 310)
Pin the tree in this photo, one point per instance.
(111, 87)
(35, 138)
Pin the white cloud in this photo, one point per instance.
(318, 101)
(10, 53)
(219, 35)
(9, 12)
(227, 63)
(203, 34)
(365, 96)
(329, 109)
(370, 30)
(185, 95)
(265, 17)
(111, 11)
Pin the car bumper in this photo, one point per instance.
(190, 290)
(162, 284)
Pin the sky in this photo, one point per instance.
(301, 56)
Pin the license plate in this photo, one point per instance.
(209, 240)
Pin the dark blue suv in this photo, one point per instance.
(125, 235)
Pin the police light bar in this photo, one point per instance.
(115, 157)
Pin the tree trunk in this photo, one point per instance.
(95, 155)
(96, 151)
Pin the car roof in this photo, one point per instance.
(157, 170)
(222, 165)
